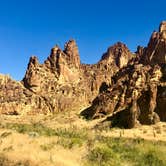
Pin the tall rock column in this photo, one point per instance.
(71, 50)
(152, 116)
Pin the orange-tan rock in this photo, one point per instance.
(129, 88)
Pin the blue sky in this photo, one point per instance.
(33, 27)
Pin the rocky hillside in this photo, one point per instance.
(137, 94)
(61, 83)
(127, 88)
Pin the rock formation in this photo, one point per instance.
(61, 83)
(137, 94)
(126, 88)
(155, 53)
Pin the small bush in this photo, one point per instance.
(47, 147)
(70, 143)
(5, 134)
(103, 155)
(153, 159)
(7, 149)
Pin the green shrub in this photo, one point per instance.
(48, 146)
(103, 155)
(135, 152)
(5, 134)
(70, 143)
(46, 131)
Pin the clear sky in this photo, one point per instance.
(33, 27)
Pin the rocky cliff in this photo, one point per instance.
(61, 83)
(137, 94)
(126, 88)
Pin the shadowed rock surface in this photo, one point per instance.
(126, 88)
(137, 94)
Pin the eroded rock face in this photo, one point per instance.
(128, 88)
(118, 54)
(62, 83)
(72, 53)
(133, 93)
(155, 53)
(16, 99)
(137, 94)
(162, 27)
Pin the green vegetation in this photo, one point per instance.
(48, 146)
(101, 151)
(46, 131)
(68, 138)
(29, 128)
(70, 143)
(122, 151)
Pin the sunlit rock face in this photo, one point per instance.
(128, 88)
(62, 83)
(118, 54)
(155, 53)
(162, 27)
(137, 94)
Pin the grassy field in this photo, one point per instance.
(67, 140)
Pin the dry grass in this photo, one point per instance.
(67, 140)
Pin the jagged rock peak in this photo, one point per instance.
(155, 53)
(71, 50)
(118, 54)
(71, 45)
(140, 50)
(115, 50)
(118, 48)
(54, 50)
(162, 26)
(69, 56)
(33, 62)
